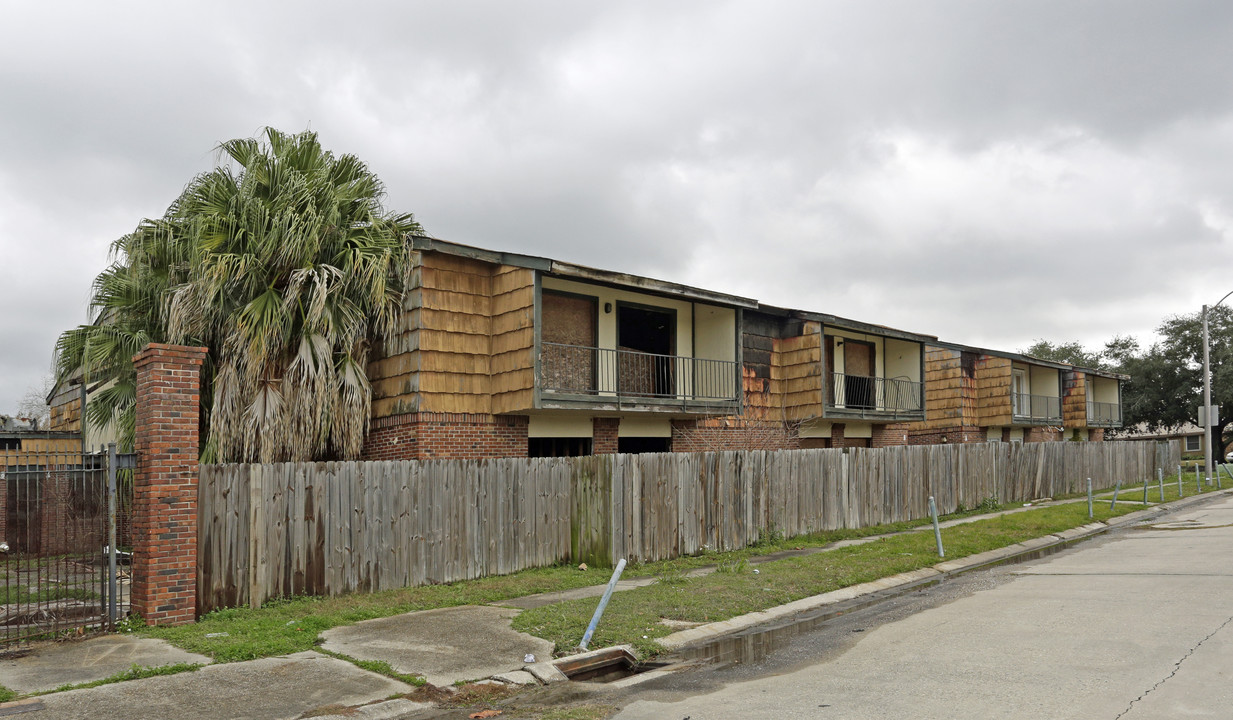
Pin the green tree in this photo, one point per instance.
(1166, 385)
(284, 264)
(1071, 353)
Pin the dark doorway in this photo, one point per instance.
(646, 335)
(558, 446)
(637, 445)
(858, 364)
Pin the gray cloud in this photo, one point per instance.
(988, 172)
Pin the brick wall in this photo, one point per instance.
(716, 434)
(889, 436)
(422, 436)
(164, 526)
(1096, 434)
(957, 434)
(604, 435)
(1041, 434)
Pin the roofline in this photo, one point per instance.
(1029, 359)
(580, 272)
(847, 323)
(558, 268)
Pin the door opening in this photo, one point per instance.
(646, 335)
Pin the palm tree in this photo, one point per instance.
(283, 263)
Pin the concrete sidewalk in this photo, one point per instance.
(444, 645)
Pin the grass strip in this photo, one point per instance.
(284, 626)
(289, 625)
(634, 616)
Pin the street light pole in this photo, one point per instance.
(1207, 393)
(1207, 400)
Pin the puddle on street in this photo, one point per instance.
(757, 643)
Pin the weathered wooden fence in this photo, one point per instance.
(328, 528)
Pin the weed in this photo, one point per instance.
(733, 566)
(770, 537)
(671, 576)
(989, 505)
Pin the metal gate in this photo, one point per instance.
(64, 529)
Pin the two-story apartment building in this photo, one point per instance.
(978, 395)
(507, 355)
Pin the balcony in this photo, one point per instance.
(1036, 408)
(578, 376)
(1104, 414)
(863, 396)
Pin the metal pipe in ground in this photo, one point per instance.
(1160, 479)
(603, 603)
(1179, 481)
(1089, 499)
(937, 530)
(1116, 488)
(1198, 480)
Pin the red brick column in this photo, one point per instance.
(604, 435)
(164, 525)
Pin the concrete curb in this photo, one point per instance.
(712, 631)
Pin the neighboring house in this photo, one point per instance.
(980, 395)
(48, 494)
(507, 355)
(1189, 437)
(65, 402)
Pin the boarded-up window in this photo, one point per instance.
(568, 320)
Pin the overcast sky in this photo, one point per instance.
(988, 172)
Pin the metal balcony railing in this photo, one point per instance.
(1104, 414)
(1036, 407)
(609, 373)
(860, 392)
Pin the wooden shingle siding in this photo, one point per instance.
(796, 372)
(513, 339)
(1074, 399)
(993, 391)
(948, 388)
(464, 344)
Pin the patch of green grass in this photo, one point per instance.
(7, 694)
(1134, 493)
(634, 616)
(380, 667)
(136, 672)
(292, 625)
(14, 594)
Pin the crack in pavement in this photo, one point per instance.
(1176, 666)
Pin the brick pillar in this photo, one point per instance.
(604, 435)
(164, 525)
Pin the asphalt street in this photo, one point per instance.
(1136, 624)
